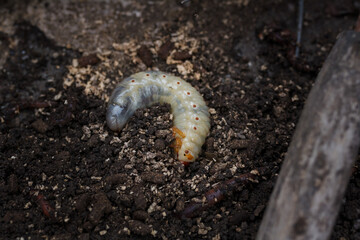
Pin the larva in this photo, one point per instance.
(191, 116)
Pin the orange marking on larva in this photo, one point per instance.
(188, 93)
(176, 145)
(164, 76)
(178, 83)
(194, 106)
(133, 80)
(147, 74)
(189, 156)
(195, 128)
(178, 131)
(196, 118)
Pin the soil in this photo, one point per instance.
(65, 175)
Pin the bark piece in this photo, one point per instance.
(317, 167)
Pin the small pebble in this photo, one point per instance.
(125, 200)
(84, 236)
(209, 143)
(159, 144)
(181, 55)
(140, 215)
(90, 59)
(102, 206)
(258, 210)
(145, 55)
(217, 167)
(180, 205)
(162, 133)
(140, 201)
(239, 217)
(165, 49)
(152, 177)
(139, 228)
(202, 231)
(116, 179)
(151, 130)
(93, 141)
(13, 184)
(82, 202)
(239, 144)
(40, 126)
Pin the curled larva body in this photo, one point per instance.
(191, 116)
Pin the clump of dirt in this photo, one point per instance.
(65, 175)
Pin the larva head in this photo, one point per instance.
(116, 117)
(185, 155)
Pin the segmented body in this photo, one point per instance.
(191, 116)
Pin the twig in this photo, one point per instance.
(215, 195)
(299, 27)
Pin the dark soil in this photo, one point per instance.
(65, 175)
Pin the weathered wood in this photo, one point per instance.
(317, 167)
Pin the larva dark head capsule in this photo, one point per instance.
(116, 117)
